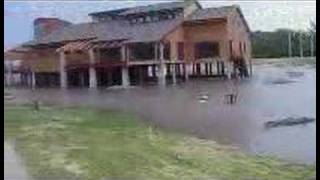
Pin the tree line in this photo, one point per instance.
(277, 44)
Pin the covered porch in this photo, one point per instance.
(87, 63)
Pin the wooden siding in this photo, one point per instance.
(238, 35)
(206, 31)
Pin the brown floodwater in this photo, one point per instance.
(199, 107)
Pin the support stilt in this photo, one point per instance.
(92, 70)
(63, 73)
(174, 78)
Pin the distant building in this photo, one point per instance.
(163, 43)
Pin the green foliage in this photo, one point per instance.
(275, 44)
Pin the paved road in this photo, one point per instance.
(13, 168)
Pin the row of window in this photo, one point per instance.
(140, 19)
(145, 51)
(146, 19)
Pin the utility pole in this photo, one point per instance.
(311, 44)
(289, 45)
(301, 47)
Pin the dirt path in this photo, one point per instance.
(13, 168)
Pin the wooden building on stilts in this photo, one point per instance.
(164, 43)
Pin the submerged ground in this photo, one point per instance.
(279, 89)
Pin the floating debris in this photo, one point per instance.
(231, 98)
(203, 98)
(289, 122)
(279, 81)
(119, 87)
(294, 74)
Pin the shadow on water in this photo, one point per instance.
(198, 107)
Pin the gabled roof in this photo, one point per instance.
(216, 13)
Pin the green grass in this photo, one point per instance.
(79, 142)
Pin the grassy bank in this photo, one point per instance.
(96, 144)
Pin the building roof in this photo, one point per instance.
(145, 9)
(210, 13)
(111, 12)
(216, 13)
(146, 32)
(124, 30)
(111, 30)
(154, 7)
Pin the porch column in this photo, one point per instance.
(250, 66)
(33, 80)
(173, 72)
(161, 74)
(29, 79)
(218, 68)
(92, 70)
(227, 68)
(9, 76)
(63, 73)
(185, 71)
(124, 69)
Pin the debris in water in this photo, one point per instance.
(116, 87)
(289, 122)
(279, 81)
(231, 98)
(294, 74)
(203, 98)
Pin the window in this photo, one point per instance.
(230, 48)
(166, 51)
(111, 54)
(206, 50)
(180, 50)
(142, 51)
(244, 48)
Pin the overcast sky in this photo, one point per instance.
(261, 15)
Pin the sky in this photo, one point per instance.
(260, 15)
